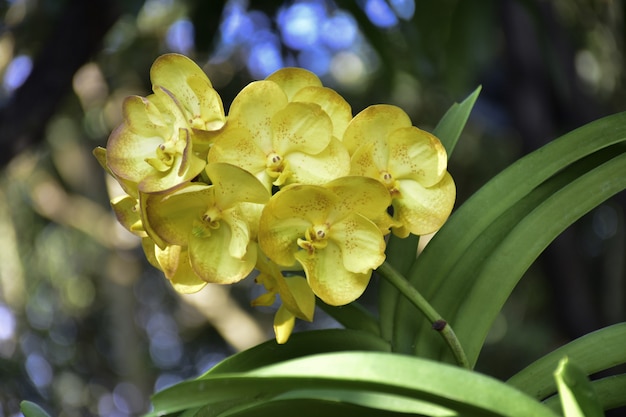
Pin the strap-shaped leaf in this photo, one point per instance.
(468, 237)
(610, 391)
(449, 128)
(299, 344)
(593, 352)
(578, 398)
(510, 260)
(360, 373)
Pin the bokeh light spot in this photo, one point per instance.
(339, 31)
(39, 370)
(17, 72)
(7, 323)
(405, 9)
(299, 24)
(380, 14)
(264, 57)
(180, 36)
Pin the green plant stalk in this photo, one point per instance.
(438, 323)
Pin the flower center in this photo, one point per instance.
(315, 237)
(277, 168)
(165, 154)
(390, 182)
(212, 217)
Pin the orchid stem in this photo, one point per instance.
(438, 323)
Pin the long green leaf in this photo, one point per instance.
(449, 128)
(299, 344)
(450, 387)
(305, 407)
(432, 272)
(610, 391)
(508, 262)
(578, 398)
(318, 402)
(593, 352)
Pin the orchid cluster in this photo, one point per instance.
(288, 183)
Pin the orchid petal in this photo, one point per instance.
(329, 279)
(329, 164)
(299, 298)
(417, 154)
(126, 209)
(284, 322)
(234, 185)
(362, 243)
(302, 127)
(236, 146)
(331, 102)
(169, 218)
(291, 80)
(212, 263)
(363, 195)
(373, 124)
(278, 237)
(424, 210)
(253, 109)
(240, 233)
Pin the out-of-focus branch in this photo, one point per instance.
(77, 36)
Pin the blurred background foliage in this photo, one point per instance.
(87, 327)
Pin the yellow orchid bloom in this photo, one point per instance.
(297, 299)
(209, 221)
(278, 141)
(153, 145)
(164, 138)
(331, 238)
(410, 162)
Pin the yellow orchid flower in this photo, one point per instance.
(164, 138)
(209, 221)
(200, 104)
(153, 145)
(331, 238)
(278, 141)
(297, 299)
(410, 162)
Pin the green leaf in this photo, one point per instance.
(596, 351)
(525, 243)
(360, 374)
(352, 316)
(401, 253)
(30, 409)
(610, 392)
(578, 397)
(463, 252)
(449, 128)
(339, 403)
(299, 344)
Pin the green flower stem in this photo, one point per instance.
(400, 282)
